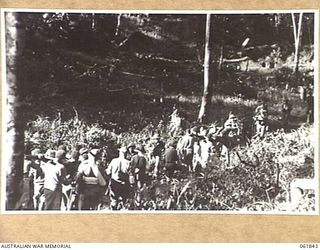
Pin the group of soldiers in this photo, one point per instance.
(83, 178)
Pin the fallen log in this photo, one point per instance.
(237, 60)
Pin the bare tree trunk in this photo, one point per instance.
(93, 22)
(297, 32)
(276, 23)
(14, 122)
(118, 25)
(161, 93)
(220, 62)
(206, 97)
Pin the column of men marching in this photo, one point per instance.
(83, 178)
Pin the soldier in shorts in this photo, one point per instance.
(187, 144)
(260, 119)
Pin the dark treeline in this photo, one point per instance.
(66, 53)
(96, 33)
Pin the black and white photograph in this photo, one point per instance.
(160, 111)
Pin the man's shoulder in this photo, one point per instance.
(125, 161)
(170, 150)
(114, 160)
(117, 161)
(52, 166)
(48, 164)
(135, 157)
(59, 166)
(83, 164)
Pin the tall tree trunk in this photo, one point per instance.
(219, 71)
(206, 97)
(93, 22)
(118, 25)
(220, 62)
(14, 122)
(297, 33)
(276, 23)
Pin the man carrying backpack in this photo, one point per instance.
(90, 180)
(119, 171)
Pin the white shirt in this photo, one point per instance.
(117, 167)
(54, 175)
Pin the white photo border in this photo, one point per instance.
(213, 212)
